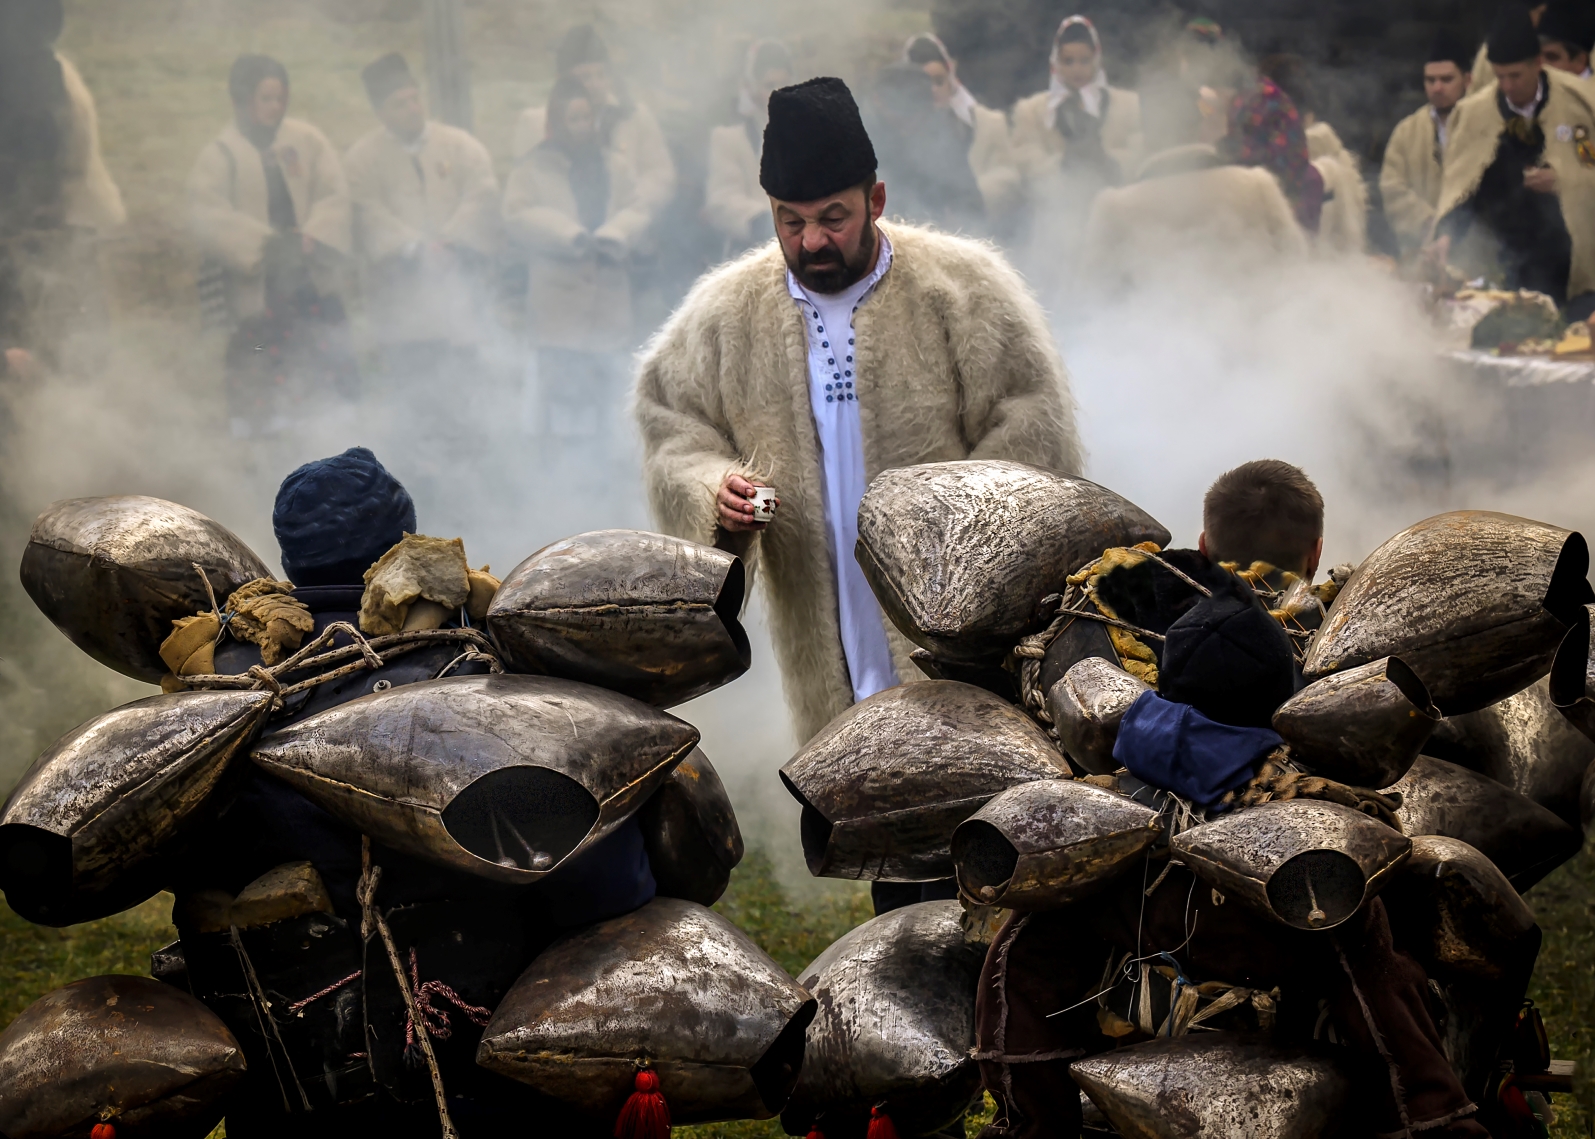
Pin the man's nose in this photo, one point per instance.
(815, 238)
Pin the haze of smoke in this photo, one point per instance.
(1329, 364)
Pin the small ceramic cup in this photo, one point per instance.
(763, 503)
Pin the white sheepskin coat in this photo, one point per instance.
(955, 361)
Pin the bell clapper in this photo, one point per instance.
(1316, 915)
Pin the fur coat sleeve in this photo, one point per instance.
(92, 199)
(733, 197)
(992, 160)
(954, 360)
(1409, 180)
(321, 192)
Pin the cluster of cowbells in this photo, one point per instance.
(505, 775)
(1454, 668)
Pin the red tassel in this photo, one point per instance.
(103, 1131)
(645, 1115)
(880, 1125)
(815, 1133)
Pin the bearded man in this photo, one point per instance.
(815, 362)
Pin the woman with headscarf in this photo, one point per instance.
(734, 203)
(265, 179)
(922, 151)
(55, 192)
(1343, 224)
(574, 204)
(984, 130)
(269, 206)
(1079, 124)
(1266, 130)
(626, 125)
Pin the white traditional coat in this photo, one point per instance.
(733, 200)
(575, 299)
(1568, 119)
(1343, 225)
(227, 203)
(1038, 147)
(1409, 180)
(637, 138)
(955, 360)
(1215, 220)
(443, 191)
(991, 158)
(92, 199)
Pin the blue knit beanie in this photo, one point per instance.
(336, 516)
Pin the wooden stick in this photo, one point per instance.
(372, 917)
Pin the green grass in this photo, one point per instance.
(35, 960)
(1564, 983)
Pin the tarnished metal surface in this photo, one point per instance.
(1087, 705)
(691, 833)
(1572, 683)
(1363, 726)
(1216, 1087)
(895, 1025)
(87, 824)
(1304, 862)
(144, 1056)
(652, 616)
(1045, 844)
(1522, 838)
(501, 776)
(1074, 643)
(961, 554)
(885, 783)
(1475, 602)
(673, 984)
(113, 573)
(1453, 909)
(1525, 743)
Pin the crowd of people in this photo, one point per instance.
(1085, 181)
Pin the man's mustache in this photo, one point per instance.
(830, 255)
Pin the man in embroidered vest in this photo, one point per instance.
(1517, 200)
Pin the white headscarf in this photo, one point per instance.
(1058, 91)
(963, 103)
(747, 105)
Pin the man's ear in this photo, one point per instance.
(877, 201)
(1312, 564)
(1201, 544)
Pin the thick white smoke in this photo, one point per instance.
(1328, 364)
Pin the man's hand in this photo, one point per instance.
(1540, 179)
(734, 505)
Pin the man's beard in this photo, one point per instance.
(828, 271)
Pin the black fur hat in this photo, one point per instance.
(815, 143)
(1512, 36)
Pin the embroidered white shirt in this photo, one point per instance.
(828, 321)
